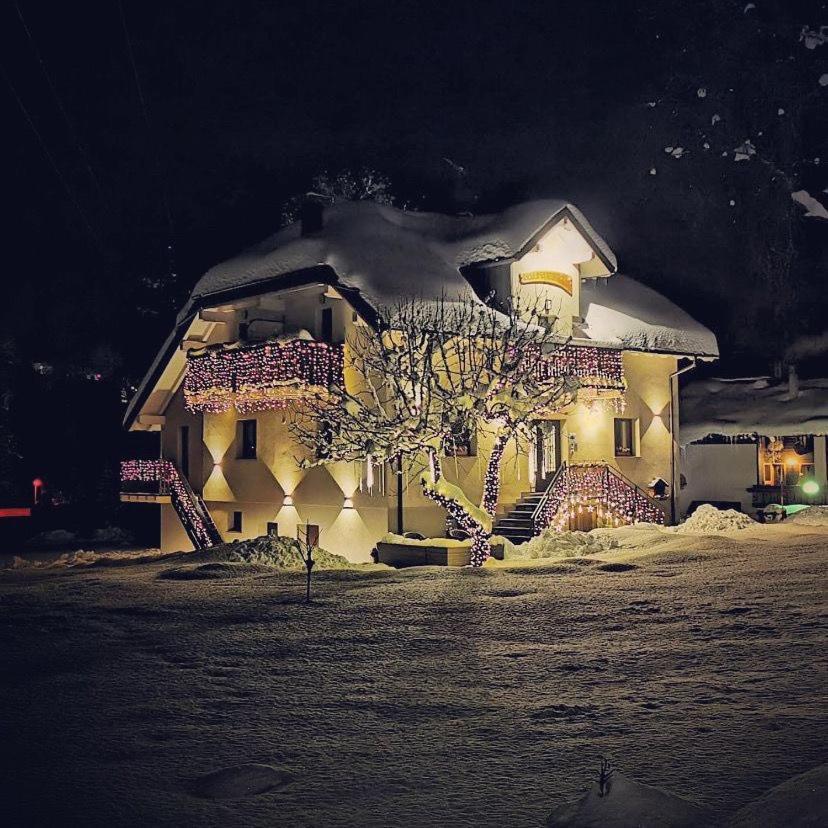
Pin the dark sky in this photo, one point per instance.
(239, 104)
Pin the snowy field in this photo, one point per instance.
(418, 697)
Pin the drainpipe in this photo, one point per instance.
(673, 428)
(400, 493)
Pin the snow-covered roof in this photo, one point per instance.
(376, 255)
(621, 311)
(384, 253)
(748, 406)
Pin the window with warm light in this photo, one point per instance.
(626, 437)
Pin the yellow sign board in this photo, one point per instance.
(547, 277)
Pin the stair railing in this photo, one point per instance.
(645, 508)
(192, 511)
(551, 500)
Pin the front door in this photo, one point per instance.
(547, 452)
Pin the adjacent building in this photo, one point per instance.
(753, 441)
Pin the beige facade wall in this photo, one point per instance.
(258, 487)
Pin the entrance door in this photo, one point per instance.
(547, 452)
(584, 521)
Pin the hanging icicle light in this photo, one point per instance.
(267, 376)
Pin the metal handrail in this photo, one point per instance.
(545, 498)
(623, 477)
(607, 471)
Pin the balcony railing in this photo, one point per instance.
(269, 375)
(596, 368)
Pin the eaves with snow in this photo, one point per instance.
(376, 255)
(753, 406)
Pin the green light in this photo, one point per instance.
(810, 487)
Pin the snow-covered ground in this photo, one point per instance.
(418, 697)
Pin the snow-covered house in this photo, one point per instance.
(753, 441)
(266, 328)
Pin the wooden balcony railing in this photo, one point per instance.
(268, 375)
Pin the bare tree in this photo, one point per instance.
(433, 367)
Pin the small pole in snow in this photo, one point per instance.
(309, 565)
(307, 549)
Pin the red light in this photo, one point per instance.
(12, 513)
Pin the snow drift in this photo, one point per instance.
(708, 520)
(629, 804)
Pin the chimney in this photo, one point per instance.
(311, 213)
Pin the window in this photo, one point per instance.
(247, 439)
(373, 482)
(326, 326)
(273, 529)
(625, 438)
(309, 534)
(235, 522)
(184, 450)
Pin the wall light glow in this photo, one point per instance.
(348, 503)
(288, 501)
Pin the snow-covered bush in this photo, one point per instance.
(281, 553)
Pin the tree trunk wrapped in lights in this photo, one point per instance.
(491, 480)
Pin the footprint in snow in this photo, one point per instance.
(240, 781)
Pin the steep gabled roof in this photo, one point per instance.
(385, 254)
(375, 255)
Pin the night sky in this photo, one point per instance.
(171, 134)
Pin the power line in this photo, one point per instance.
(70, 125)
(145, 111)
(63, 180)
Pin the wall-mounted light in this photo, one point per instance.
(288, 501)
(348, 503)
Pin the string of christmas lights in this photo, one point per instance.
(595, 488)
(593, 367)
(491, 480)
(164, 472)
(480, 549)
(261, 377)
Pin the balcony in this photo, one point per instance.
(599, 369)
(160, 481)
(261, 377)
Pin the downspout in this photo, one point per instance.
(400, 493)
(673, 438)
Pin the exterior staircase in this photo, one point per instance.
(589, 483)
(518, 525)
(193, 513)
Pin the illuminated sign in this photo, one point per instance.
(547, 277)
